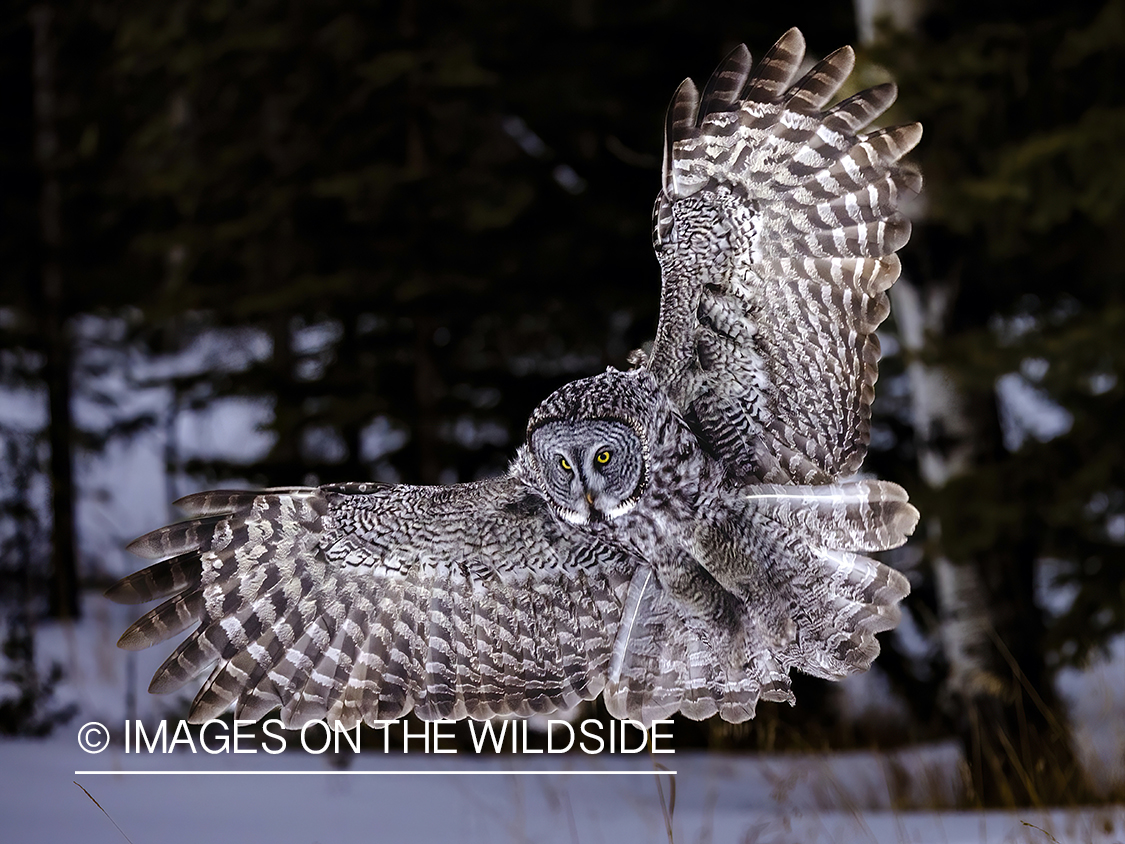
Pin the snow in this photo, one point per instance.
(778, 798)
(1095, 698)
(1027, 410)
(861, 797)
(782, 799)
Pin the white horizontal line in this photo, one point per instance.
(375, 773)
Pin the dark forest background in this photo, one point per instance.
(453, 199)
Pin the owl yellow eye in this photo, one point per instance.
(603, 456)
(564, 463)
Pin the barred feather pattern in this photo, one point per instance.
(777, 584)
(776, 230)
(357, 603)
(724, 547)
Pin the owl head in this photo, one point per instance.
(589, 444)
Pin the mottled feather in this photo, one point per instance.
(680, 537)
(776, 231)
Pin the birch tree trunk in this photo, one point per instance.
(944, 435)
(998, 692)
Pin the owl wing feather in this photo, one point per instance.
(801, 595)
(776, 229)
(362, 602)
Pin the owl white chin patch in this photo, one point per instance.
(573, 516)
(687, 609)
(622, 508)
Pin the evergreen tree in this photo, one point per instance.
(1025, 197)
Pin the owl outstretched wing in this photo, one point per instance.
(776, 230)
(360, 602)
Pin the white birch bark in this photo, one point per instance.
(944, 434)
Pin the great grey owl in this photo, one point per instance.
(679, 536)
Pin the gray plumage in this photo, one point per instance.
(679, 537)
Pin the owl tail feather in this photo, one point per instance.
(798, 593)
(668, 658)
(803, 544)
(635, 599)
(852, 515)
(671, 661)
(656, 666)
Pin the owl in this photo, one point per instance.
(678, 537)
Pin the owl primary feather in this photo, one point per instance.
(678, 537)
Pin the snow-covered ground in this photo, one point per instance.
(855, 797)
(785, 800)
(110, 685)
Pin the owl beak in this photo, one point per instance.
(595, 514)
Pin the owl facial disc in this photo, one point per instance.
(593, 469)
